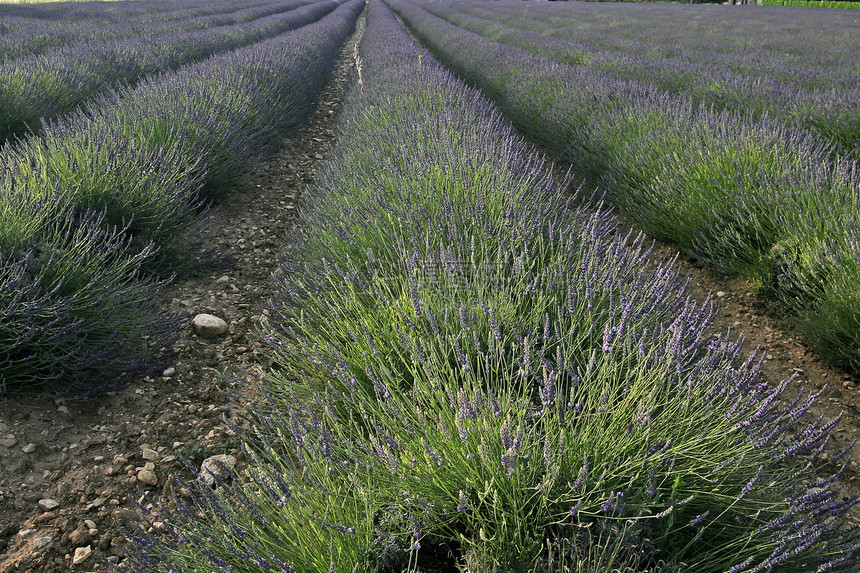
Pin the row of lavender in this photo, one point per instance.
(39, 88)
(752, 196)
(787, 45)
(32, 29)
(467, 362)
(799, 75)
(110, 195)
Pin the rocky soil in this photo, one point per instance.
(70, 472)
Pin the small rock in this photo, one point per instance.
(208, 326)
(222, 280)
(80, 537)
(41, 542)
(96, 503)
(169, 372)
(90, 523)
(720, 294)
(48, 504)
(213, 467)
(82, 554)
(149, 454)
(148, 477)
(9, 441)
(29, 448)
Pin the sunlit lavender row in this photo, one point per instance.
(116, 190)
(758, 197)
(39, 88)
(795, 71)
(473, 372)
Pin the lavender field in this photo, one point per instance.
(470, 365)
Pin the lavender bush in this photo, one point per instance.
(124, 181)
(731, 190)
(30, 29)
(33, 29)
(465, 360)
(76, 315)
(42, 87)
(150, 156)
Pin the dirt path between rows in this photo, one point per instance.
(70, 472)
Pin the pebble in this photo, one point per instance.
(41, 542)
(212, 467)
(149, 454)
(82, 554)
(48, 504)
(208, 326)
(721, 294)
(169, 372)
(80, 537)
(147, 476)
(29, 448)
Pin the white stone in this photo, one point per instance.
(212, 468)
(148, 477)
(82, 554)
(48, 504)
(41, 542)
(208, 326)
